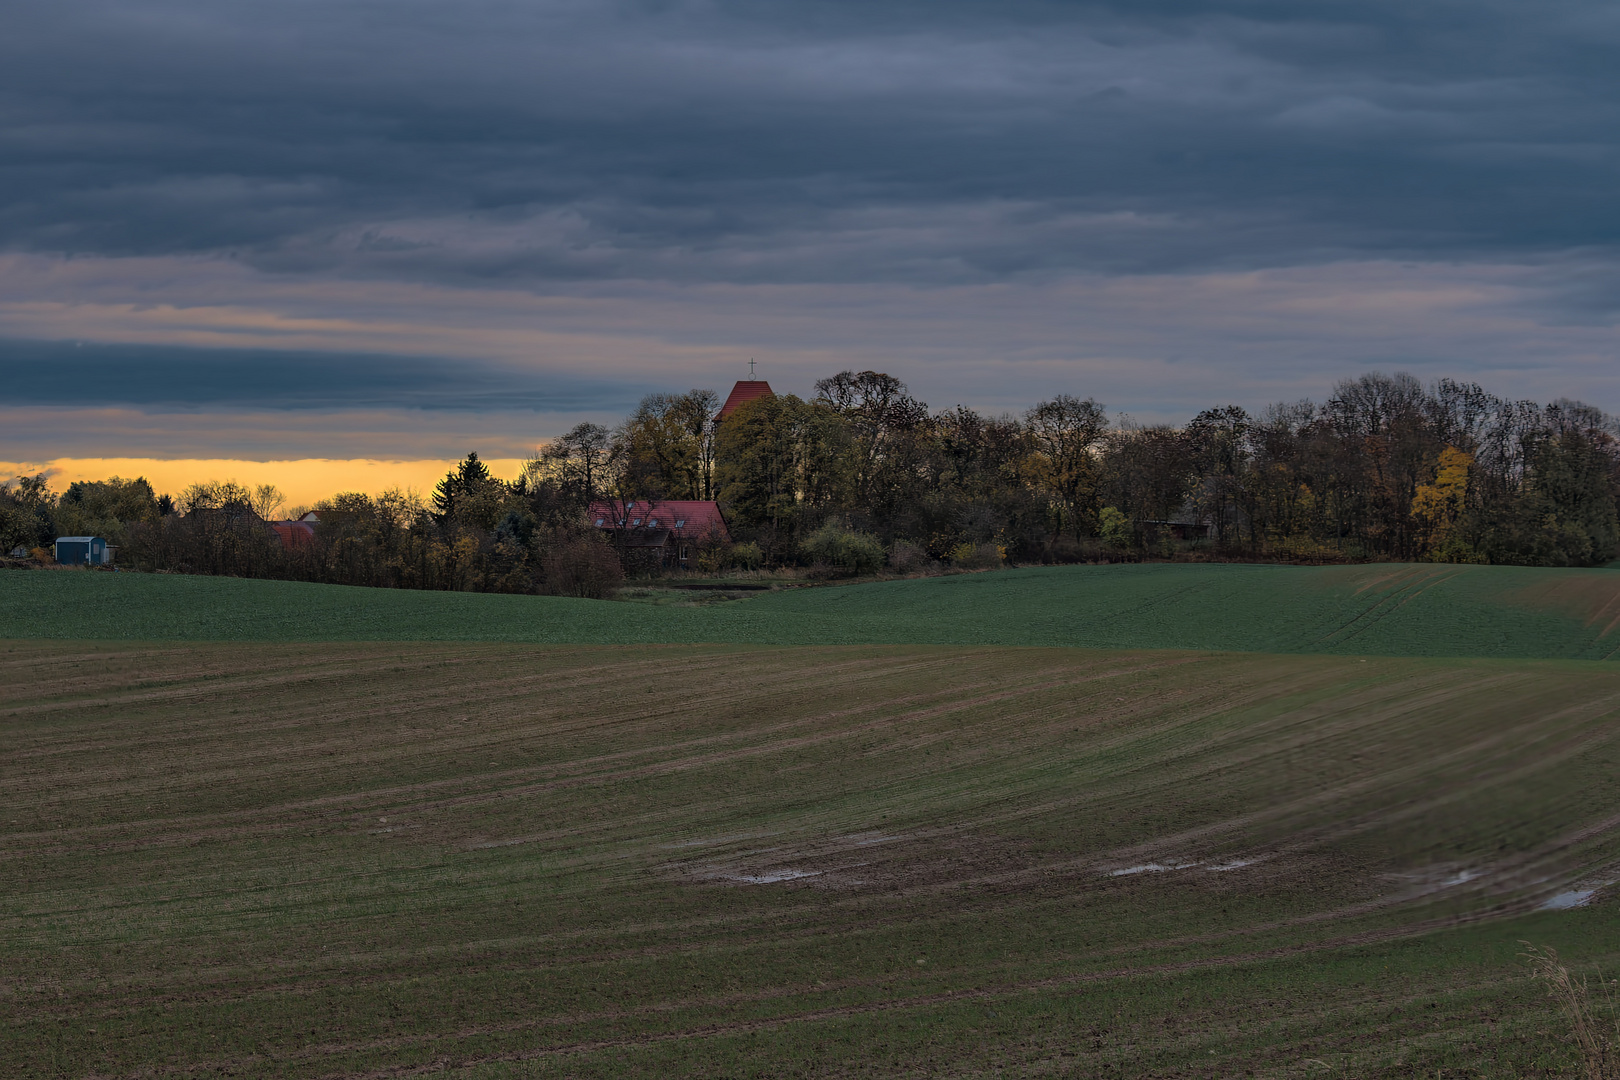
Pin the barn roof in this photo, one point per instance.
(745, 391)
(294, 534)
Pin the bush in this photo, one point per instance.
(587, 568)
(1115, 528)
(976, 557)
(848, 550)
(746, 556)
(906, 557)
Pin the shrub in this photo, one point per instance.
(746, 556)
(1456, 550)
(587, 568)
(906, 557)
(846, 549)
(1115, 528)
(976, 556)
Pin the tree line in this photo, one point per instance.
(862, 474)
(1385, 468)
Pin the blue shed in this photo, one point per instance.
(82, 550)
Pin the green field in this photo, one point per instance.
(1388, 609)
(775, 837)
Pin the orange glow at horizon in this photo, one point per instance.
(303, 481)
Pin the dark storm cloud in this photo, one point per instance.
(164, 377)
(901, 142)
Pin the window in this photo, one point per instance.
(599, 522)
(681, 524)
(636, 522)
(683, 552)
(630, 505)
(652, 523)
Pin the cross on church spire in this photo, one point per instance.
(750, 367)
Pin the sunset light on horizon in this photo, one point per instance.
(302, 482)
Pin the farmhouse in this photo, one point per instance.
(661, 533)
(83, 551)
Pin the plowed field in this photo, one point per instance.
(503, 860)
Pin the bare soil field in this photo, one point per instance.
(496, 860)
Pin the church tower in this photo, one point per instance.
(746, 390)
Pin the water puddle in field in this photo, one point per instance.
(1162, 868)
(1574, 898)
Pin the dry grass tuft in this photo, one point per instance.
(1594, 1029)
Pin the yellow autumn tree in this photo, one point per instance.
(1437, 505)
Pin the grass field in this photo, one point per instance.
(498, 860)
(1397, 610)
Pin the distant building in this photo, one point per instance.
(83, 551)
(745, 391)
(295, 534)
(661, 533)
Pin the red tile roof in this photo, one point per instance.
(746, 390)
(688, 519)
(294, 534)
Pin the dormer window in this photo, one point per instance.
(681, 524)
(599, 522)
(636, 522)
(653, 523)
(630, 505)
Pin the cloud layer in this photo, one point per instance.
(826, 142)
(188, 378)
(1154, 201)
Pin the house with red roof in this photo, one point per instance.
(661, 533)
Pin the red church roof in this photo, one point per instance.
(745, 390)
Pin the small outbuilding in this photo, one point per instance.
(83, 551)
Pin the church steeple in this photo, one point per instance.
(746, 390)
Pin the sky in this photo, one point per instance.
(329, 231)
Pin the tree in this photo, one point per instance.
(266, 500)
(26, 519)
(106, 508)
(667, 446)
(760, 464)
(883, 421)
(1065, 432)
(1439, 505)
(469, 495)
(576, 460)
(1216, 441)
(225, 497)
